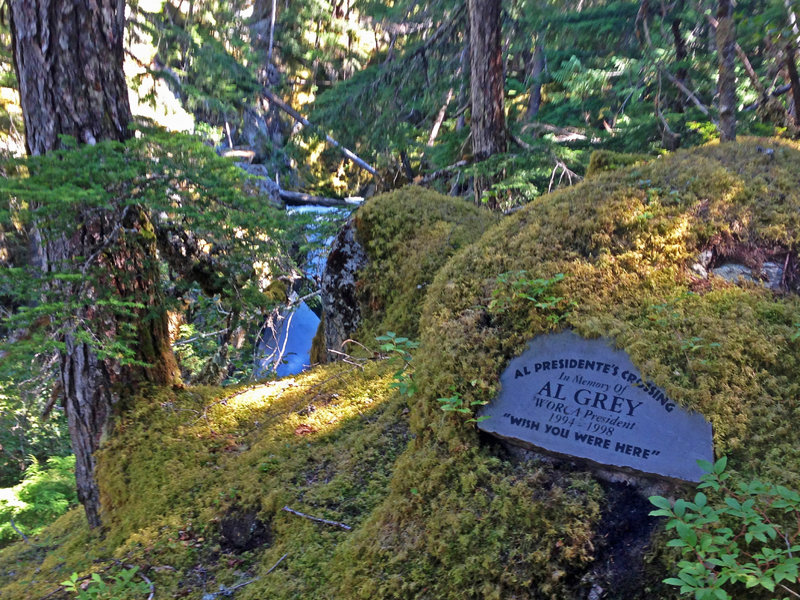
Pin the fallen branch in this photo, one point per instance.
(275, 566)
(146, 580)
(565, 170)
(300, 118)
(519, 142)
(301, 199)
(442, 172)
(774, 94)
(228, 591)
(563, 134)
(14, 527)
(691, 95)
(350, 360)
(317, 519)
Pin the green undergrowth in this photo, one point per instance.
(438, 511)
(408, 235)
(602, 161)
(184, 468)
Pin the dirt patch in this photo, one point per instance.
(241, 530)
(621, 542)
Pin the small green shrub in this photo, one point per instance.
(456, 403)
(513, 286)
(46, 493)
(399, 349)
(117, 587)
(745, 534)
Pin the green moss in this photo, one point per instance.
(323, 443)
(625, 241)
(408, 235)
(602, 161)
(319, 353)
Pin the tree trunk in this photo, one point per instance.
(680, 55)
(488, 127)
(794, 80)
(537, 70)
(68, 56)
(726, 53)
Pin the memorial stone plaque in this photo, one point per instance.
(583, 398)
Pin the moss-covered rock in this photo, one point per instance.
(409, 234)
(625, 242)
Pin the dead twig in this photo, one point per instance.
(24, 537)
(316, 519)
(691, 95)
(565, 170)
(145, 579)
(228, 591)
(443, 171)
(350, 360)
(519, 142)
(275, 566)
(349, 154)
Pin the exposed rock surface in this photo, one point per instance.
(339, 301)
(262, 184)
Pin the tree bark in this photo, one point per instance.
(726, 52)
(680, 55)
(794, 80)
(537, 70)
(68, 56)
(488, 126)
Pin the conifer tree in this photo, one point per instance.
(68, 57)
(726, 54)
(488, 126)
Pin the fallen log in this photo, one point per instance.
(301, 199)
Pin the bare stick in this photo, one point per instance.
(691, 95)
(150, 583)
(14, 527)
(228, 591)
(317, 519)
(298, 117)
(443, 171)
(275, 566)
(519, 141)
(792, 592)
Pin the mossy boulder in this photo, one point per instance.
(384, 259)
(408, 235)
(464, 519)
